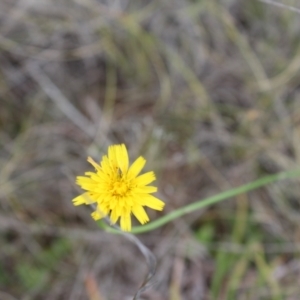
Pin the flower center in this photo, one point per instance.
(120, 188)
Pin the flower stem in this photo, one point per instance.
(212, 200)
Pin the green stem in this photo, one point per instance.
(211, 200)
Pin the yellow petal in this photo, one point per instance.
(105, 164)
(96, 215)
(82, 180)
(145, 189)
(151, 201)
(92, 162)
(145, 179)
(122, 158)
(112, 156)
(140, 214)
(119, 208)
(125, 220)
(100, 212)
(83, 199)
(86, 183)
(136, 167)
(98, 177)
(114, 216)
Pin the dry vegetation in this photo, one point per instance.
(207, 91)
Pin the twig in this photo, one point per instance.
(292, 8)
(54, 93)
(149, 256)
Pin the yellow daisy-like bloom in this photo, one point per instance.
(117, 189)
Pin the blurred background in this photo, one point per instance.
(207, 91)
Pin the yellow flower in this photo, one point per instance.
(117, 189)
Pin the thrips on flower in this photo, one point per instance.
(117, 189)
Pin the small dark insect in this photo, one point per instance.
(119, 171)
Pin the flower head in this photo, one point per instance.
(117, 189)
